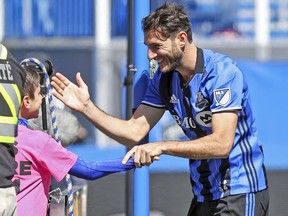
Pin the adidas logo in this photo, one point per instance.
(173, 99)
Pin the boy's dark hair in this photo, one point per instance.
(31, 83)
(168, 20)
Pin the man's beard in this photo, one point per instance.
(174, 59)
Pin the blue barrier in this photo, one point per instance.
(140, 83)
(268, 83)
(47, 18)
(74, 18)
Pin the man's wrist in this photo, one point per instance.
(87, 106)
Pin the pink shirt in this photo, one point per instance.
(39, 157)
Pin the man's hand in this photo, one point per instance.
(144, 155)
(75, 97)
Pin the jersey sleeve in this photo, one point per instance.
(152, 96)
(226, 89)
(57, 159)
(92, 170)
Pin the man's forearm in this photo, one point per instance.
(120, 130)
(203, 148)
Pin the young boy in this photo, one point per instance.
(39, 157)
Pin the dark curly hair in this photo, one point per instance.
(168, 20)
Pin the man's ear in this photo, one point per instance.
(26, 102)
(182, 37)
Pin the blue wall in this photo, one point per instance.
(49, 18)
(268, 82)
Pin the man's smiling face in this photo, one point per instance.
(165, 51)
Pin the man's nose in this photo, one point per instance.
(151, 54)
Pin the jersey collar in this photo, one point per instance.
(199, 67)
(22, 121)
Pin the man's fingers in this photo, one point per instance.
(136, 151)
(64, 80)
(57, 93)
(156, 158)
(141, 157)
(144, 157)
(127, 156)
(59, 82)
(80, 81)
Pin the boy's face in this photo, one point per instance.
(36, 103)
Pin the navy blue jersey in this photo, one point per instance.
(217, 86)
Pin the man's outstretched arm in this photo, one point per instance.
(128, 132)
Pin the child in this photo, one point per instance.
(40, 157)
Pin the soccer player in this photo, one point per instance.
(208, 97)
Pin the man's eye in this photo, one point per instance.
(155, 48)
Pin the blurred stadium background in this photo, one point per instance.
(91, 37)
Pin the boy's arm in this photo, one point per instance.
(91, 170)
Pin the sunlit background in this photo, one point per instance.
(91, 36)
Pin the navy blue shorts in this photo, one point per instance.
(251, 204)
